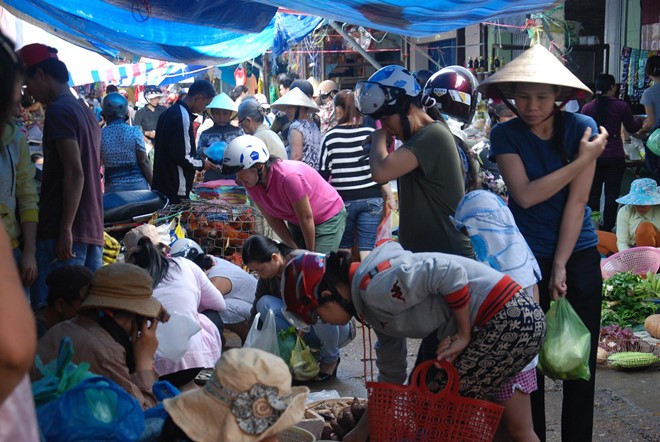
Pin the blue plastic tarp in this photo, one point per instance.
(229, 31)
(412, 18)
(89, 24)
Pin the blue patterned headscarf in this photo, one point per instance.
(495, 237)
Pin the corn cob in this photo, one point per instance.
(632, 359)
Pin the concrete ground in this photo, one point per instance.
(627, 406)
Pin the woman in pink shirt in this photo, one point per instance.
(185, 291)
(304, 210)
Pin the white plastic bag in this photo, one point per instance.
(266, 338)
(174, 336)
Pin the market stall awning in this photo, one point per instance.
(117, 32)
(412, 18)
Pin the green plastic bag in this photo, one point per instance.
(565, 353)
(303, 363)
(59, 376)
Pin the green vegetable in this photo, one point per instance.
(625, 299)
(632, 359)
(286, 340)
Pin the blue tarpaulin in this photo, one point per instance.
(229, 31)
(115, 32)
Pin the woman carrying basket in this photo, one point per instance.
(490, 330)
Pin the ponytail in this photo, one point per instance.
(337, 266)
(152, 260)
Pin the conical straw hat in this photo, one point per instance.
(295, 97)
(535, 65)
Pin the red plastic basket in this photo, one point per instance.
(413, 413)
(638, 260)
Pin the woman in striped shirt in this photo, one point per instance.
(345, 165)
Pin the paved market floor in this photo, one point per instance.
(627, 404)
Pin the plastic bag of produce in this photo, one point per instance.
(266, 338)
(303, 363)
(565, 353)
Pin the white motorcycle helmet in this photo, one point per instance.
(244, 152)
(186, 248)
(385, 91)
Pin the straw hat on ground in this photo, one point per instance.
(535, 65)
(295, 97)
(123, 287)
(248, 398)
(643, 192)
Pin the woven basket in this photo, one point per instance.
(296, 434)
(413, 413)
(638, 260)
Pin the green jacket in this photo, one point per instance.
(18, 189)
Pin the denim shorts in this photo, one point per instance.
(363, 215)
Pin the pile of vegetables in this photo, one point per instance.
(620, 348)
(626, 298)
(340, 416)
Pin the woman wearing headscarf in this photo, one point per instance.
(547, 158)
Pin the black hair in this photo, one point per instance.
(152, 259)
(204, 261)
(285, 80)
(603, 84)
(305, 86)
(237, 91)
(653, 66)
(66, 282)
(11, 73)
(337, 266)
(258, 248)
(203, 88)
(52, 67)
(111, 88)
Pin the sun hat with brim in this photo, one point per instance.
(263, 101)
(124, 287)
(295, 97)
(643, 192)
(248, 398)
(134, 235)
(223, 101)
(535, 65)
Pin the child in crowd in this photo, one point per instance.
(496, 241)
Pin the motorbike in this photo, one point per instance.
(125, 210)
